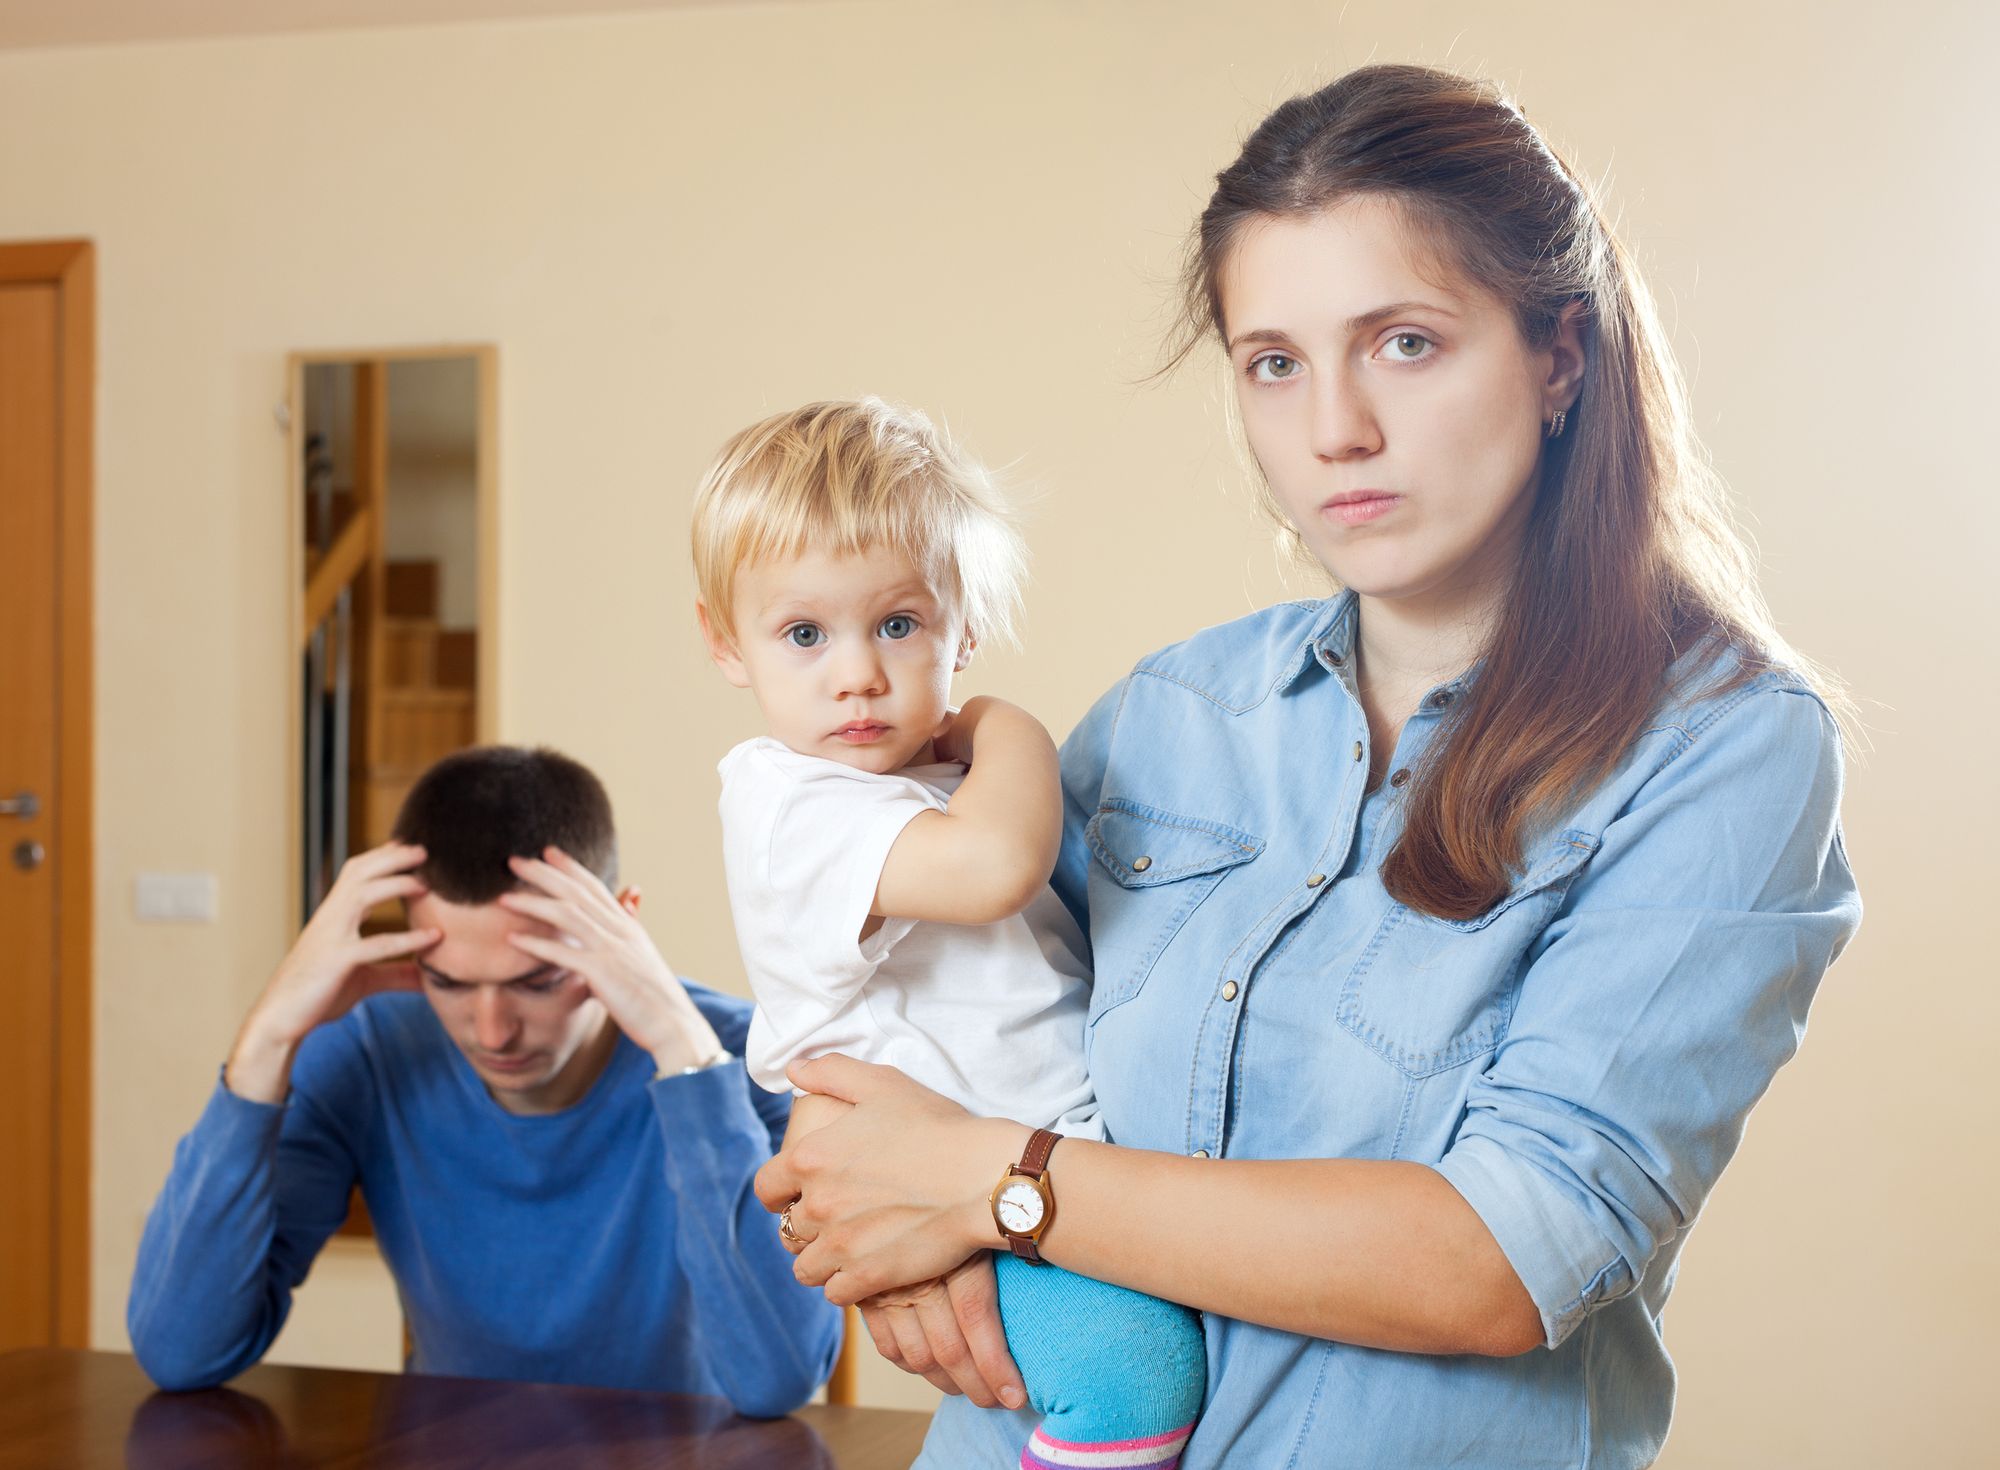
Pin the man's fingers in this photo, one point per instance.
(378, 862)
(565, 879)
(555, 952)
(975, 1305)
(381, 890)
(396, 945)
(557, 913)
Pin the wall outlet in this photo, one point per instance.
(175, 898)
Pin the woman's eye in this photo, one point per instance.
(900, 626)
(1274, 367)
(1408, 347)
(804, 635)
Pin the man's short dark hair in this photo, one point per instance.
(476, 808)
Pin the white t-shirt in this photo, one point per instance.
(990, 1015)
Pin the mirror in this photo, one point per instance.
(393, 493)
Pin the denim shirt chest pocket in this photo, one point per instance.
(1151, 870)
(1429, 994)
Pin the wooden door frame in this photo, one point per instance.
(71, 267)
(486, 717)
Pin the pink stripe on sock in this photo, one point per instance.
(1031, 1461)
(1154, 1452)
(1147, 1443)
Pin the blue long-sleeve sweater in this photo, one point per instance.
(615, 1243)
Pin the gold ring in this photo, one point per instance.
(785, 1226)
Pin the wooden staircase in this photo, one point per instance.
(424, 705)
(407, 686)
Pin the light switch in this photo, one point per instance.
(175, 898)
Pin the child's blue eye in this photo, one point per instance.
(804, 635)
(902, 625)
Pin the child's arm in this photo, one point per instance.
(986, 857)
(812, 1111)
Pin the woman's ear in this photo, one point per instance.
(966, 645)
(720, 648)
(1566, 362)
(628, 898)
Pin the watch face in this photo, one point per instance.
(1019, 1207)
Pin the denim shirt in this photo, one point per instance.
(1578, 1061)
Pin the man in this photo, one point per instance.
(555, 1136)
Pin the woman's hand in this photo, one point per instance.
(949, 1333)
(892, 1194)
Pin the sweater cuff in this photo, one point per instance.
(232, 1120)
(711, 1127)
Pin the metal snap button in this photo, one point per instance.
(1200, 1153)
(1315, 880)
(1401, 778)
(1229, 990)
(1140, 864)
(1357, 750)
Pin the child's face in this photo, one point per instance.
(850, 657)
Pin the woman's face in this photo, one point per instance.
(1397, 414)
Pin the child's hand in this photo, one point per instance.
(990, 854)
(953, 740)
(811, 1111)
(957, 735)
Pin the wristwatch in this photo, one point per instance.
(1023, 1202)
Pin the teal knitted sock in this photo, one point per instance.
(1116, 1375)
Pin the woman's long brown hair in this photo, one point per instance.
(1629, 561)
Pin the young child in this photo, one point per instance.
(888, 863)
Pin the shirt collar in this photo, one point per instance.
(1330, 644)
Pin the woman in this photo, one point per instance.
(1445, 932)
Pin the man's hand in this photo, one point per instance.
(330, 968)
(599, 938)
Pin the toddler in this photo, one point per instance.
(888, 862)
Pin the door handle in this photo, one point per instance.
(24, 804)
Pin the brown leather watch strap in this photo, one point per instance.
(1034, 1165)
(1035, 1157)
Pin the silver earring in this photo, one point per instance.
(1556, 424)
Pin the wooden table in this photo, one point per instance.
(62, 1410)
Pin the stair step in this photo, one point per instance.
(411, 589)
(458, 658)
(417, 653)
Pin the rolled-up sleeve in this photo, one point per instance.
(1657, 1005)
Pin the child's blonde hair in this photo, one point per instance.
(846, 477)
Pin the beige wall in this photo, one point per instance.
(671, 224)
